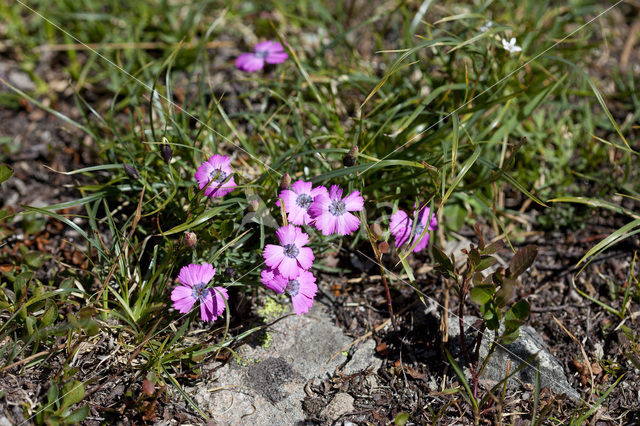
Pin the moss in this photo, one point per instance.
(271, 310)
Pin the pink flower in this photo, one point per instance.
(290, 256)
(302, 288)
(270, 52)
(216, 168)
(297, 201)
(194, 280)
(331, 211)
(401, 224)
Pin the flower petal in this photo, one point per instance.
(400, 227)
(347, 223)
(305, 257)
(276, 57)
(273, 255)
(289, 268)
(183, 299)
(354, 201)
(249, 62)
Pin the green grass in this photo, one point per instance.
(437, 108)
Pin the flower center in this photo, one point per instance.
(217, 175)
(261, 53)
(337, 208)
(290, 250)
(304, 201)
(293, 288)
(199, 291)
(419, 229)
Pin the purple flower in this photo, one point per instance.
(270, 52)
(194, 280)
(297, 201)
(401, 224)
(290, 256)
(216, 168)
(331, 211)
(302, 288)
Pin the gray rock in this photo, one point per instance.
(528, 344)
(363, 358)
(266, 385)
(341, 404)
(21, 80)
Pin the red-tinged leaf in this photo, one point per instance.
(522, 260)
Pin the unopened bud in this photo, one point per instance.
(383, 247)
(376, 230)
(285, 182)
(230, 272)
(166, 152)
(253, 205)
(350, 159)
(190, 239)
(131, 171)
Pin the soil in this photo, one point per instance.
(414, 376)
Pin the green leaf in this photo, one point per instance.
(73, 393)
(521, 310)
(77, 416)
(52, 393)
(462, 378)
(401, 418)
(5, 172)
(443, 261)
(481, 294)
(485, 262)
(522, 260)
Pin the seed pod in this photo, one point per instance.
(190, 239)
(285, 182)
(383, 247)
(131, 171)
(350, 159)
(166, 152)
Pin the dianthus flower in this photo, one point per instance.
(216, 169)
(401, 225)
(270, 52)
(331, 211)
(194, 280)
(297, 201)
(302, 288)
(290, 256)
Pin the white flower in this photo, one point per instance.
(510, 46)
(486, 26)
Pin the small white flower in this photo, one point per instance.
(486, 26)
(510, 46)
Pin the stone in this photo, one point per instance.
(266, 385)
(529, 344)
(342, 403)
(364, 358)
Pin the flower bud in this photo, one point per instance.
(285, 182)
(230, 272)
(350, 159)
(190, 239)
(383, 247)
(376, 230)
(166, 152)
(131, 171)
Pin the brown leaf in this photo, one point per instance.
(148, 388)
